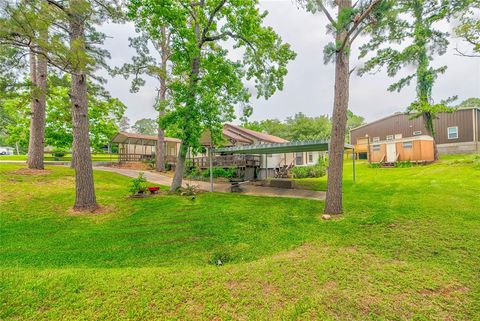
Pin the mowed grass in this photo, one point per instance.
(66, 158)
(406, 248)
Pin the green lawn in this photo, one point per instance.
(407, 248)
(66, 158)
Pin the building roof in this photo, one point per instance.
(252, 133)
(279, 148)
(123, 137)
(405, 114)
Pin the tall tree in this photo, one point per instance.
(72, 49)
(414, 20)
(144, 63)
(104, 114)
(208, 83)
(351, 21)
(146, 126)
(19, 25)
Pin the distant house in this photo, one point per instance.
(236, 135)
(456, 133)
(136, 147)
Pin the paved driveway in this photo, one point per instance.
(248, 189)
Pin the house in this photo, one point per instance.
(237, 136)
(456, 133)
(137, 147)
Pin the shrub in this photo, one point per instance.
(150, 163)
(374, 165)
(59, 152)
(168, 167)
(138, 184)
(221, 172)
(318, 170)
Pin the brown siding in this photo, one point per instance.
(403, 124)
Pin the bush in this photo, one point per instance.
(138, 185)
(374, 165)
(221, 172)
(59, 152)
(150, 162)
(318, 170)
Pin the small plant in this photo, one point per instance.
(190, 190)
(374, 165)
(168, 167)
(150, 163)
(220, 258)
(403, 164)
(138, 185)
(476, 162)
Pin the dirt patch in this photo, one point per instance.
(28, 171)
(100, 210)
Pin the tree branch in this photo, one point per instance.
(212, 16)
(325, 11)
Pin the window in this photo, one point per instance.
(376, 148)
(417, 133)
(452, 132)
(310, 157)
(398, 136)
(376, 139)
(390, 137)
(298, 158)
(407, 145)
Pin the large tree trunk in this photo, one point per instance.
(84, 188)
(182, 155)
(179, 168)
(333, 204)
(38, 76)
(160, 149)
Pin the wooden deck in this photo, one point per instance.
(227, 161)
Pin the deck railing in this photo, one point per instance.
(227, 161)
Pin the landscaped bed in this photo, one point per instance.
(406, 248)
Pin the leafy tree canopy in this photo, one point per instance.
(104, 114)
(301, 127)
(207, 83)
(146, 126)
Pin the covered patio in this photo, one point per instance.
(275, 148)
(138, 147)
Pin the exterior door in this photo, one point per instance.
(391, 153)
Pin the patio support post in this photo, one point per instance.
(354, 168)
(210, 154)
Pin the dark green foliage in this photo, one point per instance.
(221, 172)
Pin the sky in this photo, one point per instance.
(309, 84)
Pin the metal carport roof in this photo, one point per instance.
(279, 148)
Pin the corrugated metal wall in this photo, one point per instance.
(404, 125)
